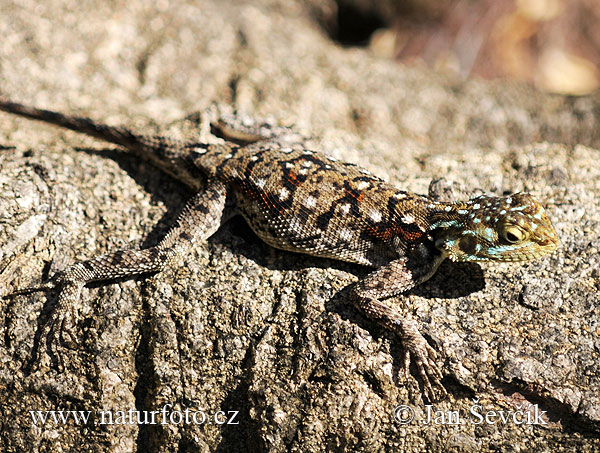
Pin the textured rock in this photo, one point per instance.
(242, 327)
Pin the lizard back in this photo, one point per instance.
(304, 201)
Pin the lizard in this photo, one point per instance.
(301, 200)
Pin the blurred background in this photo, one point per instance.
(552, 44)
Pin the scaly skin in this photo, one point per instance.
(300, 200)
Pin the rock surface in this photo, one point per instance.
(257, 333)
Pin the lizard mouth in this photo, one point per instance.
(528, 252)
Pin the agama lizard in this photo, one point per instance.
(301, 200)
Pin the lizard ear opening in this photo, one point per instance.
(468, 245)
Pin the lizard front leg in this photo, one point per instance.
(392, 279)
(200, 219)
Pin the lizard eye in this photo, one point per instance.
(513, 234)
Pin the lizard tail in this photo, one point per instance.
(168, 155)
(117, 135)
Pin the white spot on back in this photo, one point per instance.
(375, 216)
(345, 234)
(310, 202)
(345, 208)
(284, 193)
(260, 183)
(362, 185)
(407, 219)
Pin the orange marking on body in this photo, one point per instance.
(410, 235)
(386, 233)
(358, 196)
(293, 177)
(267, 200)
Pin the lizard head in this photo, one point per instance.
(512, 228)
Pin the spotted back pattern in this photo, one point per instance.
(304, 201)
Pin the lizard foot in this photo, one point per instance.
(424, 358)
(57, 329)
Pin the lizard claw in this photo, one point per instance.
(55, 333)
(47, 286)
(57, 330)
(424, 357)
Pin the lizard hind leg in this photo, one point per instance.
(199, 220)
(244, 130)
(388, 281)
